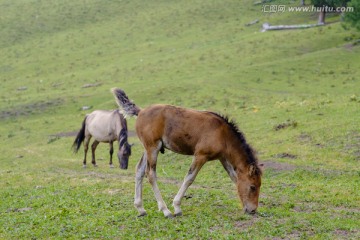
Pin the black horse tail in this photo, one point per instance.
(127, 106)
(80, 137)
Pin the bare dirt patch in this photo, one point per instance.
(21, 210)
(346, 234)
(89, 85)
(246, 223)
(285, 155)
(277, 166)
(74, 133)
(32, 108)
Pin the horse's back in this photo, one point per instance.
(103, 125)
(181, 130)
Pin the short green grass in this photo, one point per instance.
(295, 95)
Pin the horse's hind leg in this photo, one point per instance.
(111, 153)
(195, 167)
(152, 154)
(139, 176)
(93, 148)
(86, 147)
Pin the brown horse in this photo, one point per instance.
(205, 135)
(104, 126)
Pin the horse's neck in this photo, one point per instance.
(236, 156)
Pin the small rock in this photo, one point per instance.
(23, 88)
(86, 108)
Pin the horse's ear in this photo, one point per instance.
(262, 167)
(252, 170)
(255, 170)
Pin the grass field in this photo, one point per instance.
(295, 95)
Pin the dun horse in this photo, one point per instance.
(205, 135)
(104, 126)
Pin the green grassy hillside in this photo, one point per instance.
(295, 95)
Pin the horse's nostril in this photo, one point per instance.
(250, 212)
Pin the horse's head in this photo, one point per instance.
(248, 185)
(124, 154)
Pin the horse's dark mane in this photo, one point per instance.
(249, 151)
(123, 135)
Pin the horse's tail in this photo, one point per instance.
(80, 137)
(128, 107)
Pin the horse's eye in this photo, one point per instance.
(253, 188)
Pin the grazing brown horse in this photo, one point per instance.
(205, 135)
(104, 126)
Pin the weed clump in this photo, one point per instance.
(288, 123)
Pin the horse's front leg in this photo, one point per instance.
(93, 148)
(139, 176)
(111, 153)
(195, 167)
(230, 170)
(151, 168)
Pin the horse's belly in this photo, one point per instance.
(105, 139)
(103, 136)
(180, 146)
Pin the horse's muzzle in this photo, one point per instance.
(124, 165)
(251, 212)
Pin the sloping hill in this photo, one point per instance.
(81, 42)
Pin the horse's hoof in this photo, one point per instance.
(84, 166)
(142, 214)
(95, 165)
(111, 166)
(169, 216)
(179, 214)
